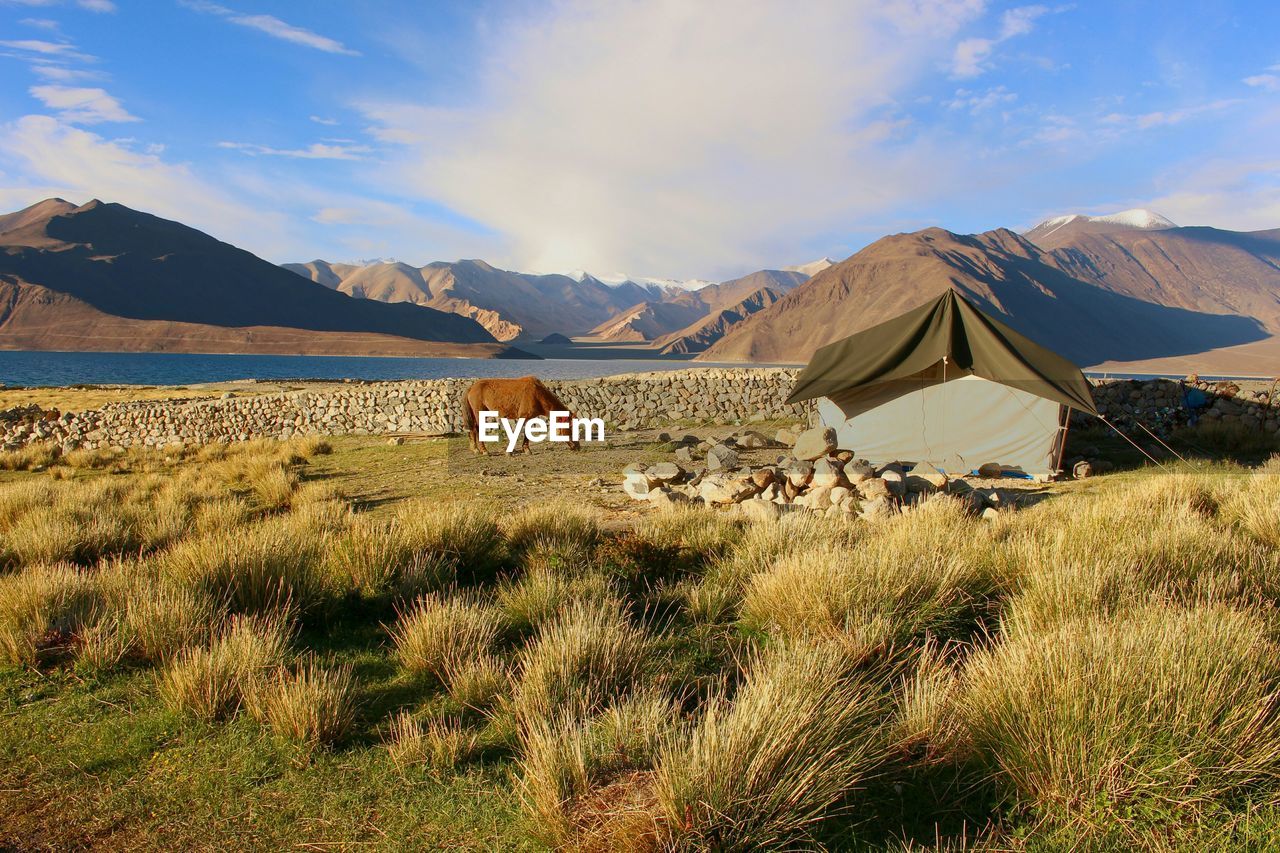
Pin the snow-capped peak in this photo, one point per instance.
(812, 268)
(1147, 220)
(620, 278)
(1136, 218)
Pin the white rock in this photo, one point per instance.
(814, 443)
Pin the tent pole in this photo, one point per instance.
(1062, 443)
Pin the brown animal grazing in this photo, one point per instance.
(525, 397)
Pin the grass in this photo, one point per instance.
(237, 646)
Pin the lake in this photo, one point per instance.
(157, 368)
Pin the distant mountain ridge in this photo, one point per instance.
(104, 276)
(1098, 290)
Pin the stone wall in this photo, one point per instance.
(634, 401)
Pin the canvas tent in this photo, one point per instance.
(948, 385)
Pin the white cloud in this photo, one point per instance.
(81, 105)
(977, 102)
(97, 5)
(41, 24)
(328, 122)
(1165, 118)
(648, 137)
(314, 151)
(1242, 195)
(63, 74)
(1269, 82)
(273, 27)
(59, 50)
(56, 159)
(971, 55)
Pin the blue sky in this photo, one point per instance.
(661, 138)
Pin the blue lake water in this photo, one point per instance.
(150, 368)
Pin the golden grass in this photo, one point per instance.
(213, 682)
(441, 634)
(311, 704)
(762, 772)
(438, 746)
(1091, 717)
(42, 608)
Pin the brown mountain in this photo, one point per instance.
(702, 334)
(680, 311)
(104, 277)
(1005, 274)
(508, 304)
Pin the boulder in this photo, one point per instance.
(925, 478)
(799, 474)
(725, 489)
(753, 440)
(756, 510)
(667, 498)
(876, 508)
(814, 443)
(666, 472)
(638, 485)
(991, 470)
(875, 489)
(827, 472)
(990, 514)
(858, 470)
(1082, 469)
(895, 481)
(721, 457)
(840, 495)
(818, 497)
(764, 477)
(785, 437)
(684, 454)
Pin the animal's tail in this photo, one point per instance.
(469, 415)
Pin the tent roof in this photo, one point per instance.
(907, 352)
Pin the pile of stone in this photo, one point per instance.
(1162, 405)
(815, 476)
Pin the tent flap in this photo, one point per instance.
(946, 339)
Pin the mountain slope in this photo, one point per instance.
(508, 304)
(114, 262)
(702, 334)
(1005, 275)
(1059, 229)
(679, 312)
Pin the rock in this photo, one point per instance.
(876, 508)
(725, 489)
(666, 472)
(721, 457)
(764, 477)
(858, 470)
(227, 395)
(844, 456)
(664, 437)
(799, 474)
(633, 466)
(395, 441)
(925, 478)
(818, 497)
(895, 481)
(760, 511)
(595, 483)
(684, 454)
(666, 498)
(789, 490)
(827, 473)
(637, 485)
(814, 443)
(991, 470)
(691, 440)
(875, 489)
(840, 494)
(959, 487)
(753, 440)
(1081, 470)
(990, 514)
(785, 437)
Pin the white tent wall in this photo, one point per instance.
(956, 426)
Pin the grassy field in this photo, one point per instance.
(342, 644)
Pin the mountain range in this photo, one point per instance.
(1130, 291)
(101, 276)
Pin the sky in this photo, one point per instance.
(665, 138)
